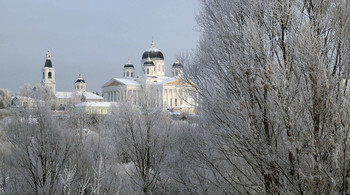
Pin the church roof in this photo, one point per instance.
(80, 80)
(128, 66)
(121, 81)
(48, 63)
(168, 80)
(95, 104)
(177, 64)
(88, 95)
(153, 52)
(148, 63)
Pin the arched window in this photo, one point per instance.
(147, 70)
(49, 75)
(127, 73)
(132, 74)
(124, 74)
(43, 75)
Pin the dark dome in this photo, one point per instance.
(148, 63)
(128, 66)
(152, 54)
(80, 80)
(177, 64)
(48, 64)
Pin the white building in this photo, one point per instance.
(48, 73)
(63, 99)
(169, 92)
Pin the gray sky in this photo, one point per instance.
(92, 37)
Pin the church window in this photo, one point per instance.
(147, 70)
(175, 101)
(132, 74)
(124, 74)
(43, 75)
(49, 75)
(127, 73)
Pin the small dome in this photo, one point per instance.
(177, 64)
(148, 63)
(128, 66)
(80, 81)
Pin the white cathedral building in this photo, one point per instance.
(169, 92)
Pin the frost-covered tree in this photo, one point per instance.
(272, 77)
(141, 136)
(39, 152)
(5, 98)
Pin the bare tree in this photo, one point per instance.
(26, 90)
(142, 134)
(272, 78)
(40, 149)
(5, 98)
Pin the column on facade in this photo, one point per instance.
(171, 97)
(166, 97)
(161, 98)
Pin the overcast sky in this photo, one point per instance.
(92, 37)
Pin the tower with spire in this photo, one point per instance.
(48, 74)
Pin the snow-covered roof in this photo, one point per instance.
(169, 79)
(88, 95)
(124, 81)
(127, 81)
(21, 97)
(91, 96)
(63, 95)
(96, 104)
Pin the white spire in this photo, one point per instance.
(129, 60)
(48, 55)
(80, 77)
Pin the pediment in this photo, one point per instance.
(176, 82)
(114, 83)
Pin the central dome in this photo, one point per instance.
(153, 52)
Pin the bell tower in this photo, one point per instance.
(48, 74)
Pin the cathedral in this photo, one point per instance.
(170, 92)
